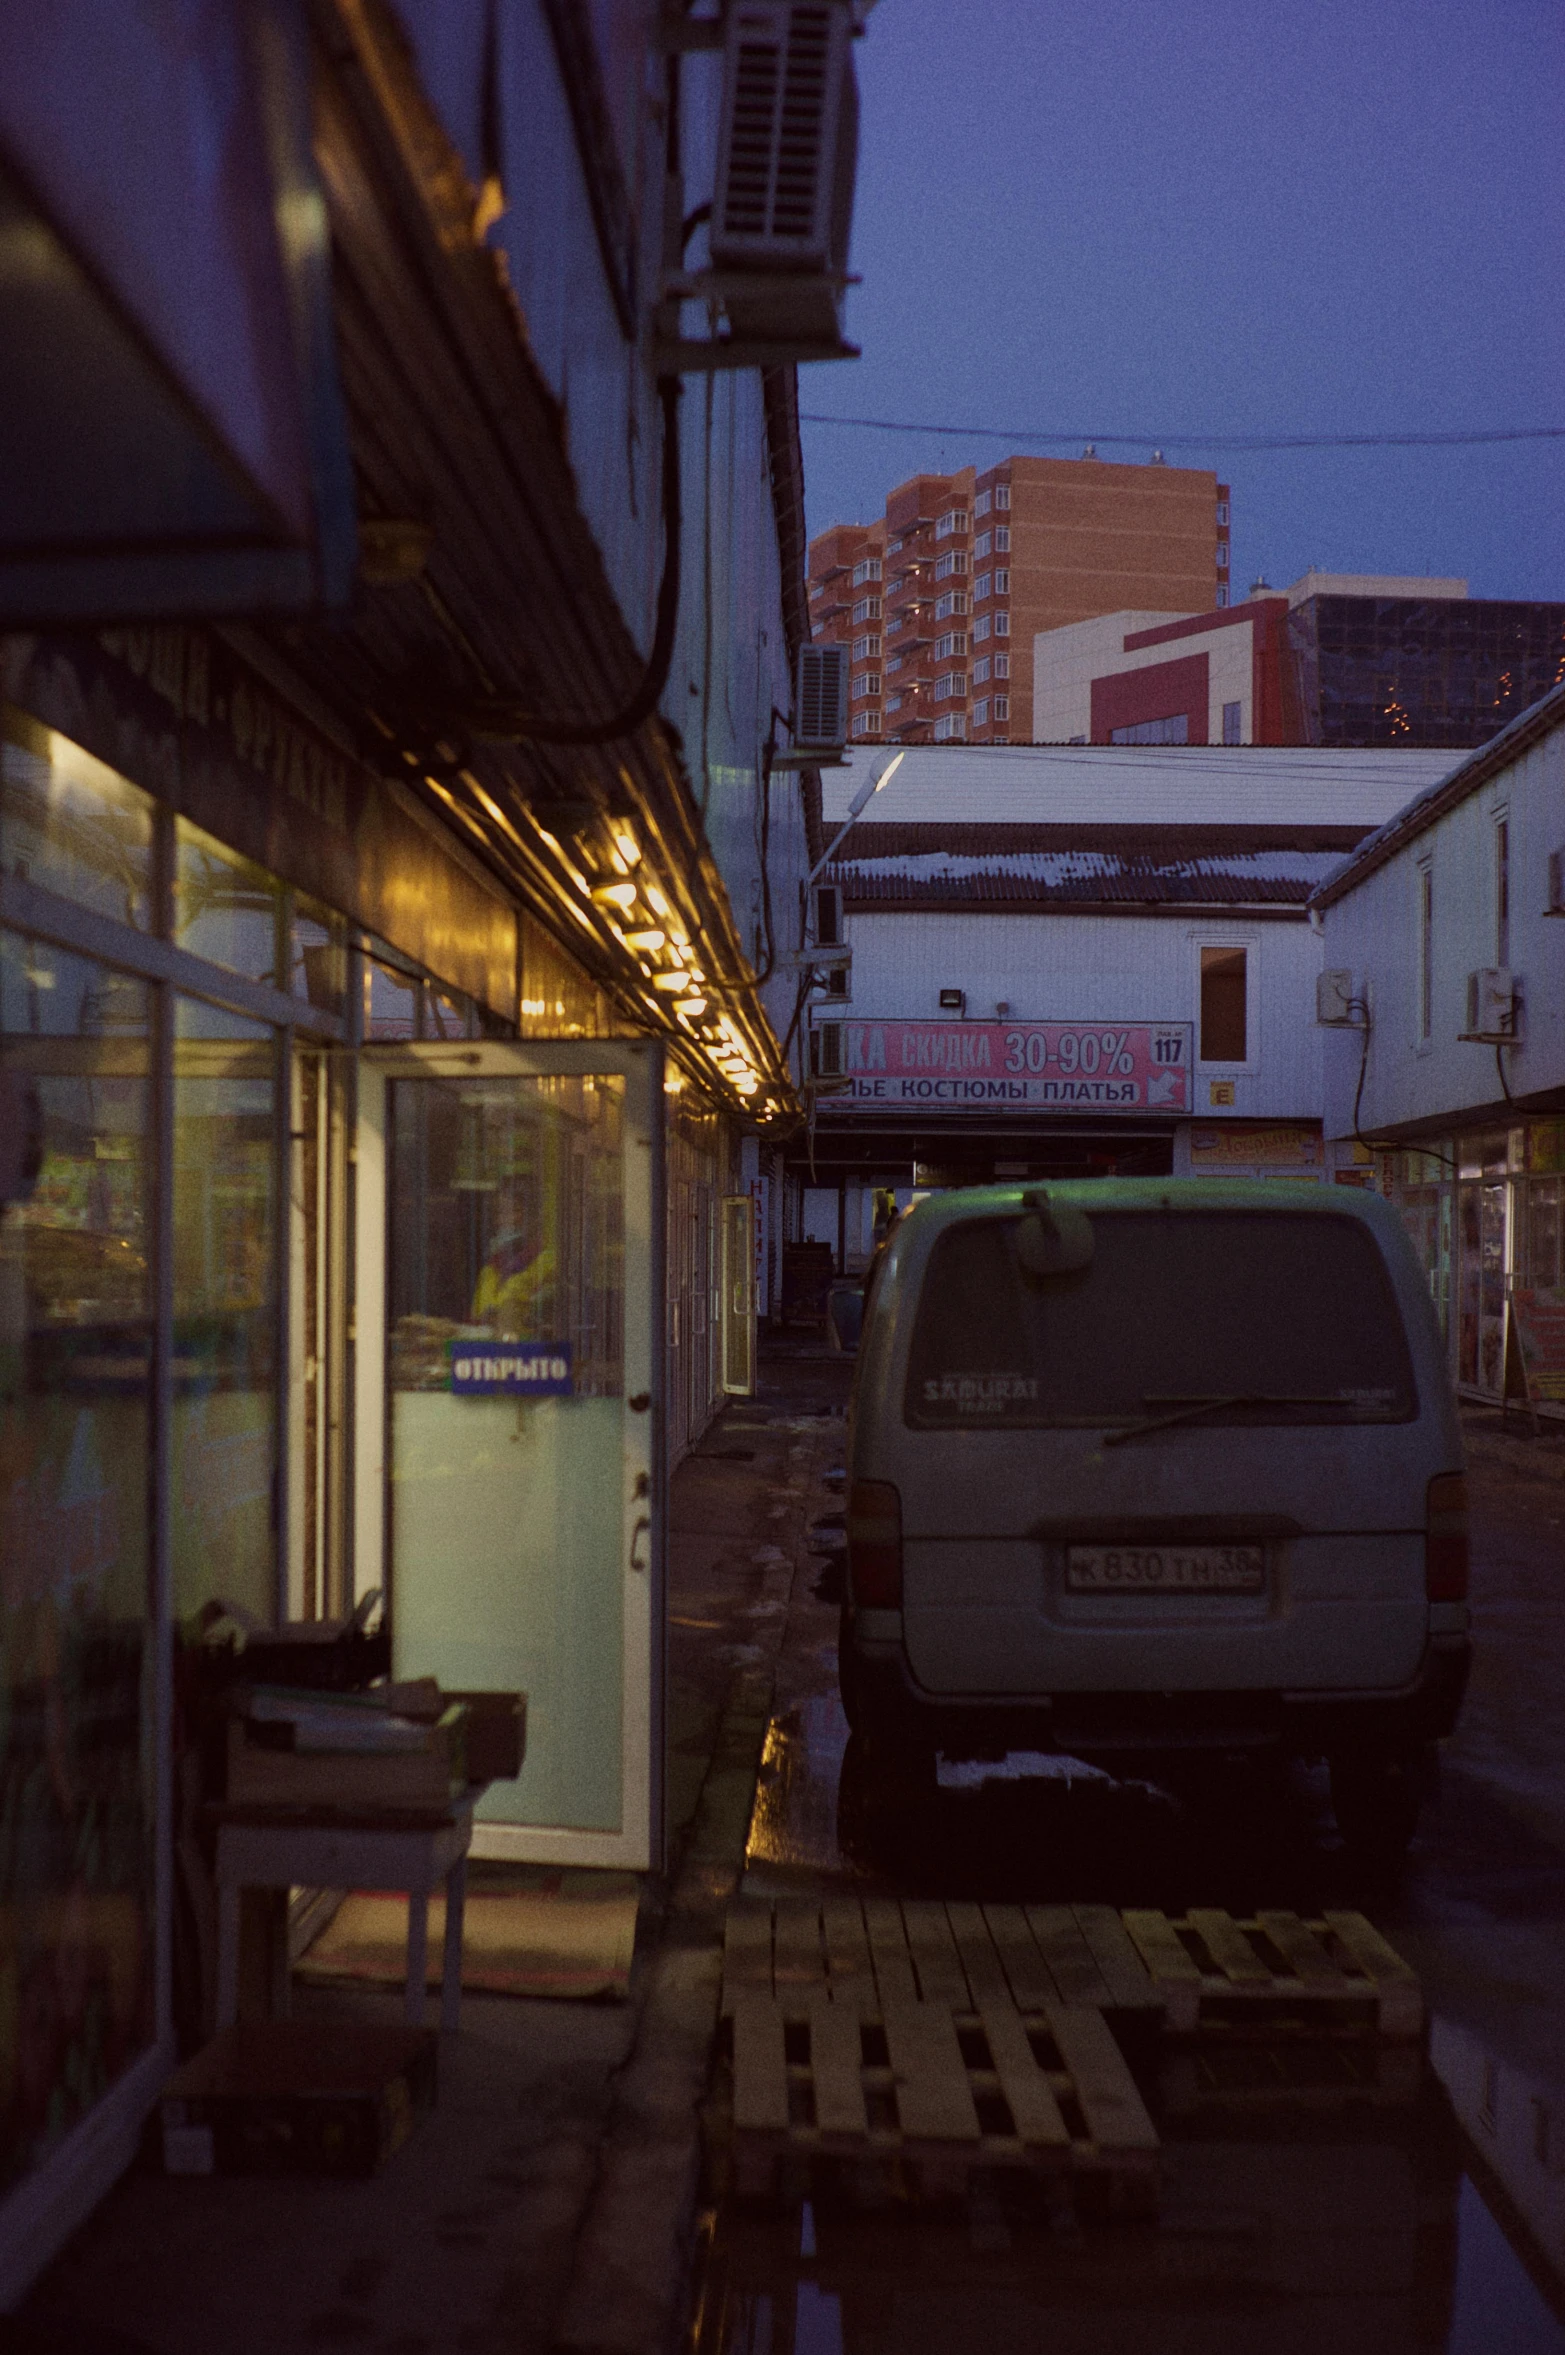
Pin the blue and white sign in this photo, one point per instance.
(511, 1369)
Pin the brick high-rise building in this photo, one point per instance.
(940, 601)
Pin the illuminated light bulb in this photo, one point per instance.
(655, 899)
(629, 848)
(678, 979)
(690, 1007)
(615, 895)
(644, 943)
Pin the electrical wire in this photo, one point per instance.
(1201, 441)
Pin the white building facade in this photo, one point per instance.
(1447, 1051)
(1068, 963)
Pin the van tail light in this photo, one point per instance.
(1445, 1539)
(875, 1545)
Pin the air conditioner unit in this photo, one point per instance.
(1493, 1007)
(828, 914)
(782, 208)
(826, 1051)
(1339, 999)
(820, 705)
(1556, 906)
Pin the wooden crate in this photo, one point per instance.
(915, 2099)
(1335, 1976)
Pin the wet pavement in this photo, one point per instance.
(1381, 2213)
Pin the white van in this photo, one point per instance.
(1144, 1465)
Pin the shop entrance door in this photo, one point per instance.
(509, 1290)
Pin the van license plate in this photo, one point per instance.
(1165, 1569)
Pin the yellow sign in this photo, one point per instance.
(1281, 1146)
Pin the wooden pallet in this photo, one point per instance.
(1335, 1976)
(919, 2099)
(1289, 2073)
(866, 1954)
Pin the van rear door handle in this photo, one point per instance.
(642, 1529)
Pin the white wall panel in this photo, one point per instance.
(1373, 930)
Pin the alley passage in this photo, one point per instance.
(1059, 2060)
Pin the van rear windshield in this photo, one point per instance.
(1174, 1308)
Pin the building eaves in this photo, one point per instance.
(1529, 727)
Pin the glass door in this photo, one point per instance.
(508, 1484)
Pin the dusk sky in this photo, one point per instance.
(1216, 219)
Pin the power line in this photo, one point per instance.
(1200, 441)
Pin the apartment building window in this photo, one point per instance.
(1222, 593)
(953, 520)
(868, 570)
(1002, 707)
(1425, 887)
(950, 683)
(893, 703)
(982, 546)
(953, 642)
(981, 713)
(1002, 537)
(864, 646)
(982, 504)
(951, 726)
(867, 609)
(869, 724)
(895, 664)
(1222, 513)
(1002, 625)
(982, 586)
(1502, 890)
(1233, 723)
(980, 670)
(867, 683)
(1002, 494)
(1222, 555)
(954, 601)
(1224, 1005)
(1002, 583)
(1002, 666)
(981, 628)
(954, 560)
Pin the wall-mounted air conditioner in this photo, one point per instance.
(820, 699)
(1339, 999)
(1493, 1007)
(826, 1051)
(828, 914)
(782, 207)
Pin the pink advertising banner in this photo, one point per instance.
(1023, 1066)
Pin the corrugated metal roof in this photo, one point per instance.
(1137, 784)
(1274, 876)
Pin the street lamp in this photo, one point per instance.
(856, 806)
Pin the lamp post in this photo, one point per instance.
(861, 800)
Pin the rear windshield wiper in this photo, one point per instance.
(1190, 1410)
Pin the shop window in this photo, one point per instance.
(76, 1307)
(224, 1439)
(72, 825)
(1224, 1005)
(230, 912)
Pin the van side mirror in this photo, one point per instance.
(1054, 1239)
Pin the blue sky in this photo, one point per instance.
(1218, 217)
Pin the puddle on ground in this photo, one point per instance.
(1357, 2235)
(1396, 2219)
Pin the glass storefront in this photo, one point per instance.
(76, 1652)
(1486, 1214)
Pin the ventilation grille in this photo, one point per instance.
(786, 106)
(821, 705)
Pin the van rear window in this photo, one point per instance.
(1174, 1308)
